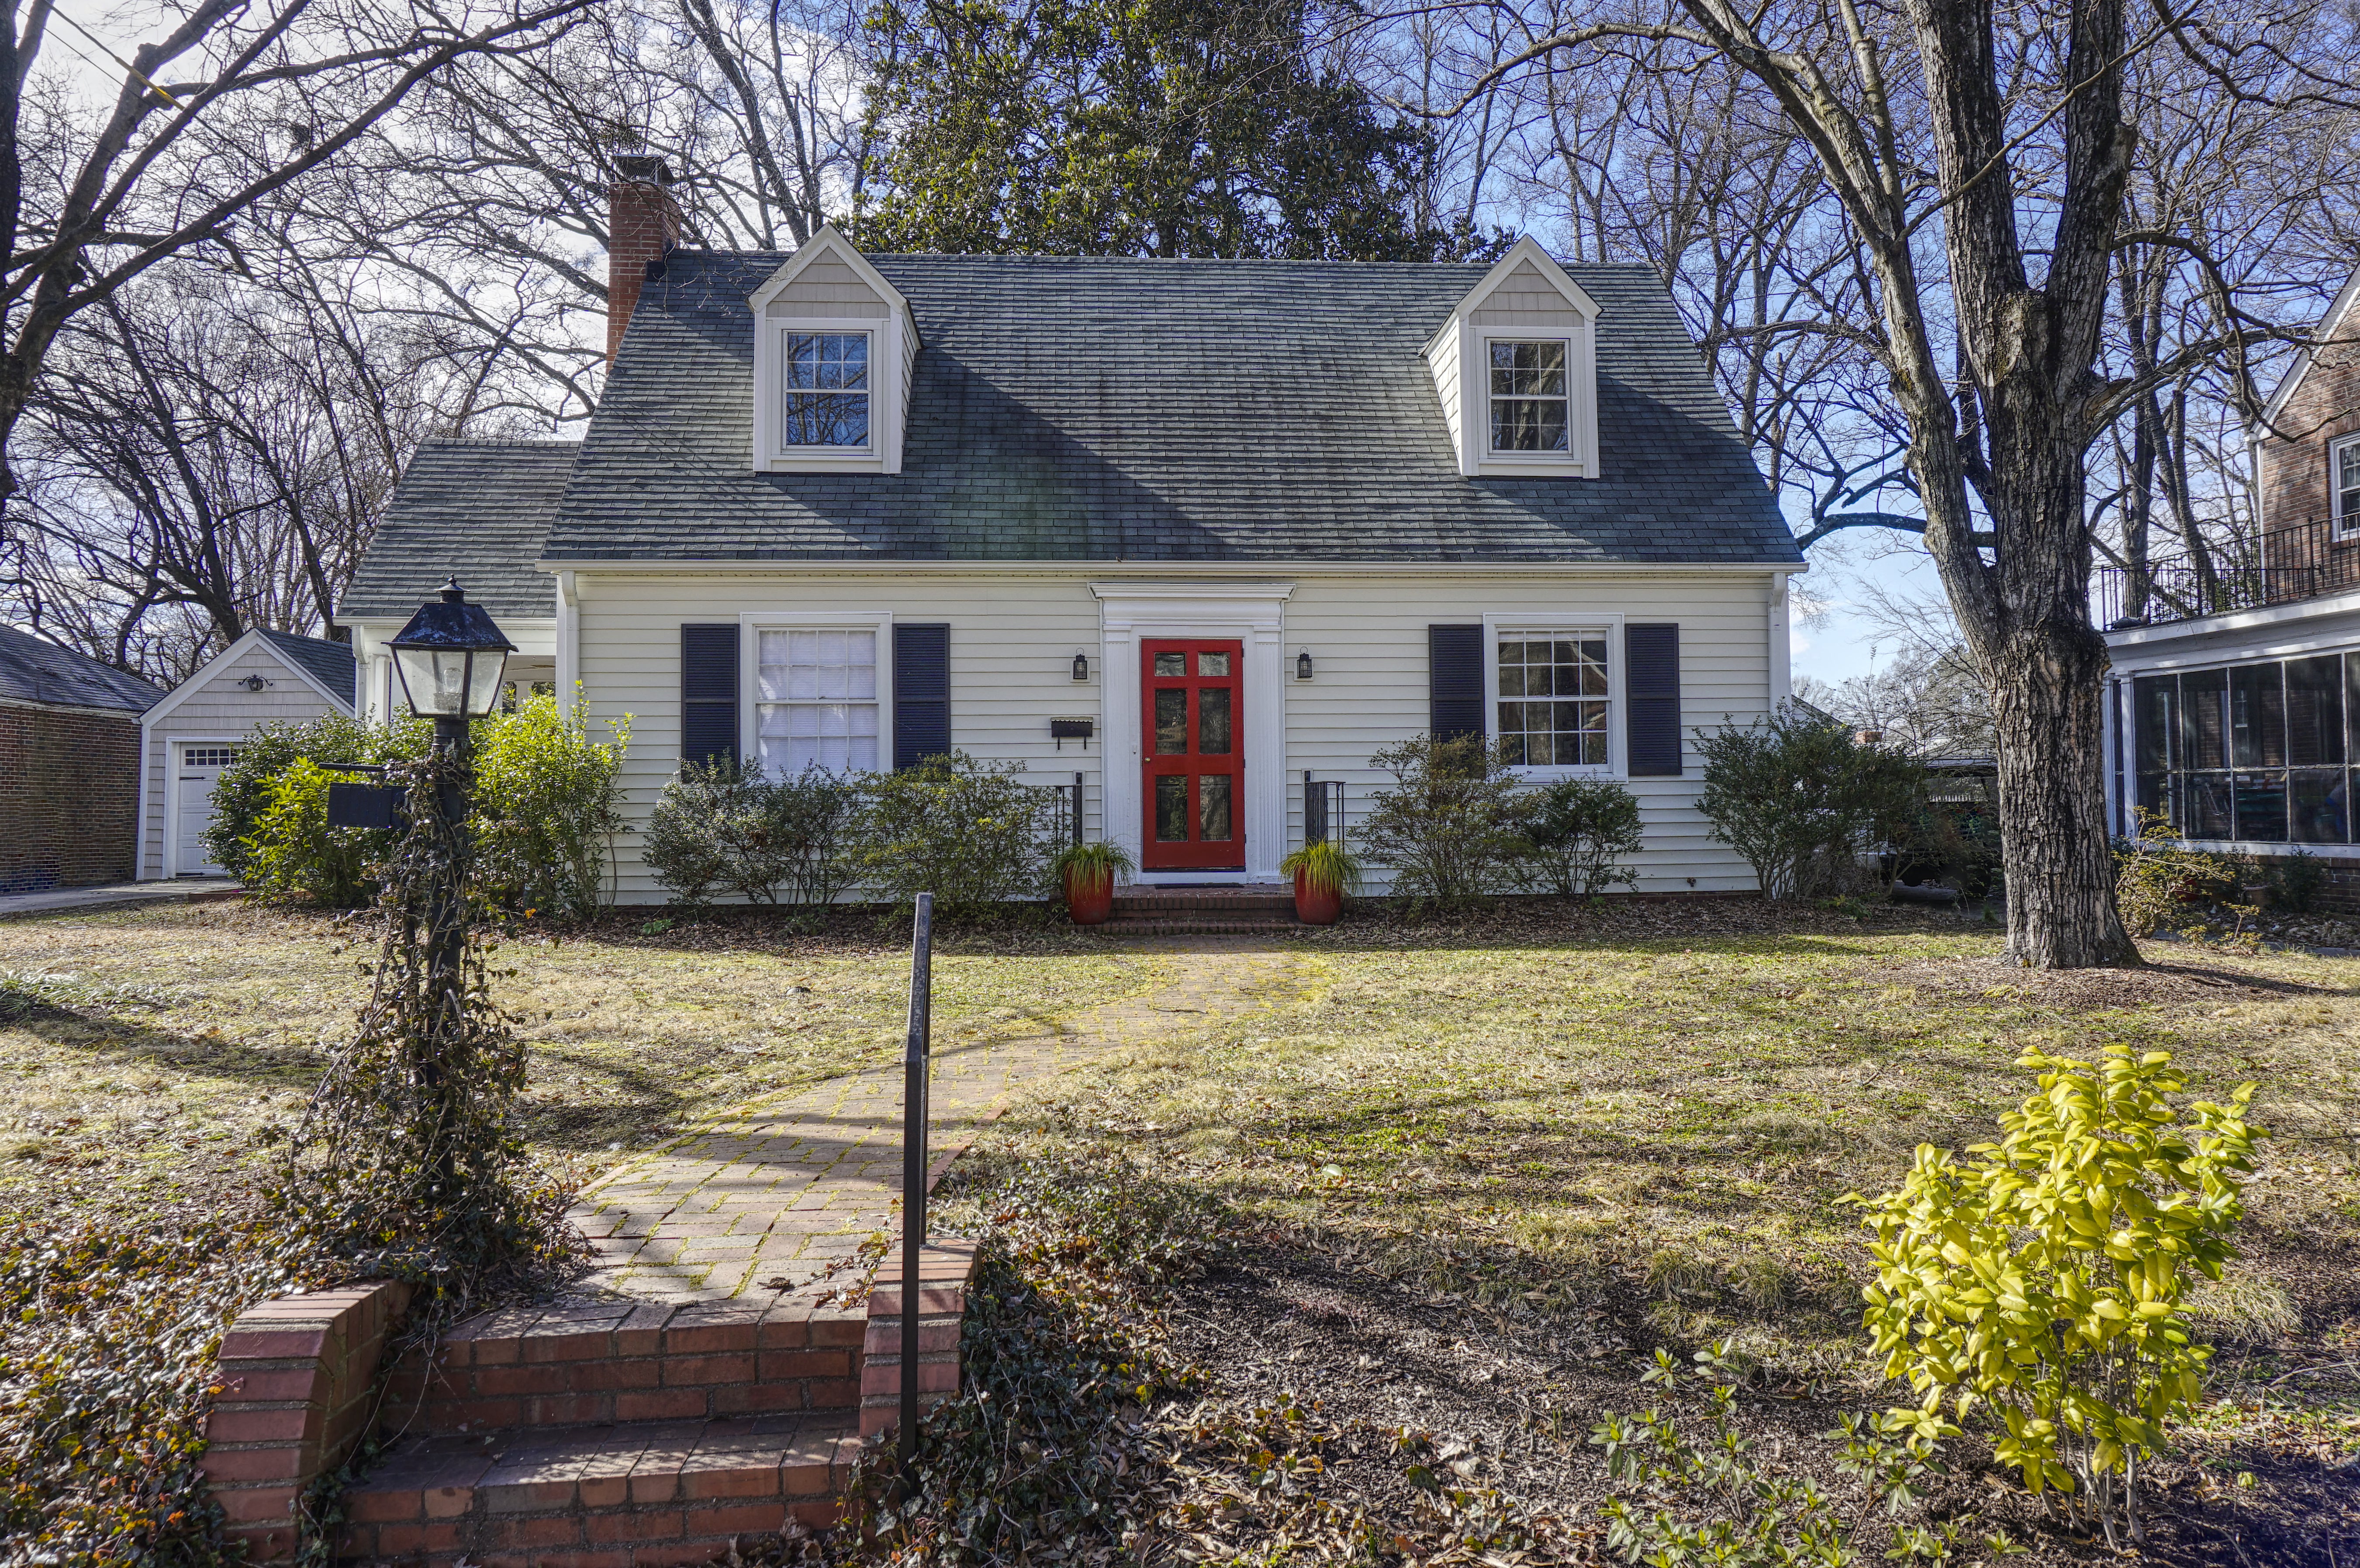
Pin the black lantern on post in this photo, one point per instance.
(450, 657)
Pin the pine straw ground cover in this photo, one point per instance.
(1469, 1184)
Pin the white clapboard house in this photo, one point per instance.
(1204, 534)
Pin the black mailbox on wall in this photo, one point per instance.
(1063, 730)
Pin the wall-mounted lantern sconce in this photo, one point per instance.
(1081, 665)
(254, 682)
(1303, 665)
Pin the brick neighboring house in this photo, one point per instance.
(2234, 701)
(69, 766)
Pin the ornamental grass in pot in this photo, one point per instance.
(1323, 872)
(1088, 872)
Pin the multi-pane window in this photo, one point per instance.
(826, 402)
(2252, 753)
(2344, 480)
(209, 755)
(817, 701)
(1528, 399)
(1553, 698)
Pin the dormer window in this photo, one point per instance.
(1528, 394)
(835, 356)
(826, 402)
(1516, 369)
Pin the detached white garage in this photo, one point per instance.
(189, 737)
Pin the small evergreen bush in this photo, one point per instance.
(294, 852)
(688, 843)
(547, 807)
(1801, 802)
(2296, 881)
(970, 832)
(1573, 833)
(1447, 827)
(2047, 1278)
(241, 793)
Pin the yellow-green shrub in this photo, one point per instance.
(2047, 1276)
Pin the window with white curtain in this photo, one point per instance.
(817, 701)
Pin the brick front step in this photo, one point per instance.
(1159, 925)
(1205, 903)
(578, 1365)
(613, 1496)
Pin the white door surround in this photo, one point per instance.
(1254, 614)
(189, 800)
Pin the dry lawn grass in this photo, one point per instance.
(1628, 1140)
(160, 1055)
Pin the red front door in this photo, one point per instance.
(1195, 786)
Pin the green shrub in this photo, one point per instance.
(2160, 883)
(546, 807)
(1572, 834)
(2295, 881)
(970, 832)
(1802, 803)
(2046, 1279)
(687, 844)
(1706, 1499)
(720, 828)
(1446, 829)
(294, 852)
(790, 844)
(241, 793)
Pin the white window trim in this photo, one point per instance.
(1581, 460)
(1572, 453)
(883, 453)
(752, 624)
(2343, 526)
(1496, 627)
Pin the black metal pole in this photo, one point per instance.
(1077, 810)
(916, 1058)
(447, 922)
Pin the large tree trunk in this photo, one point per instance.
(2054, 846)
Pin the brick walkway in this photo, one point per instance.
(789, 1185)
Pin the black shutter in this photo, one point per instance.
(1454, 681)
(922, 693)
(708, 693)
(1651, 689)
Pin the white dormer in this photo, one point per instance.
(1516, 368)
(833, 347)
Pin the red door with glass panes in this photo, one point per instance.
(1195, 785)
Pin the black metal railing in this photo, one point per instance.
(1066, 825)
(2281, 566)
(1323, 808)
(917, 1073)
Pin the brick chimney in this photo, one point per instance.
(642, 223)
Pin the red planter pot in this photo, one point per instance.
(1316, 906)
(1088, 901)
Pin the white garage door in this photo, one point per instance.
(200, 768)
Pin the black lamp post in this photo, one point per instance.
(450, 657)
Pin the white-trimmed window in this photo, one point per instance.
(1530, 409)
(815, 704)
(2343, 484)
(824, 394)
(1555, 702)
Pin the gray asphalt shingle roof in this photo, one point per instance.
(1106, 409)
(329, 663)
(476, 509)
(33, 669)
